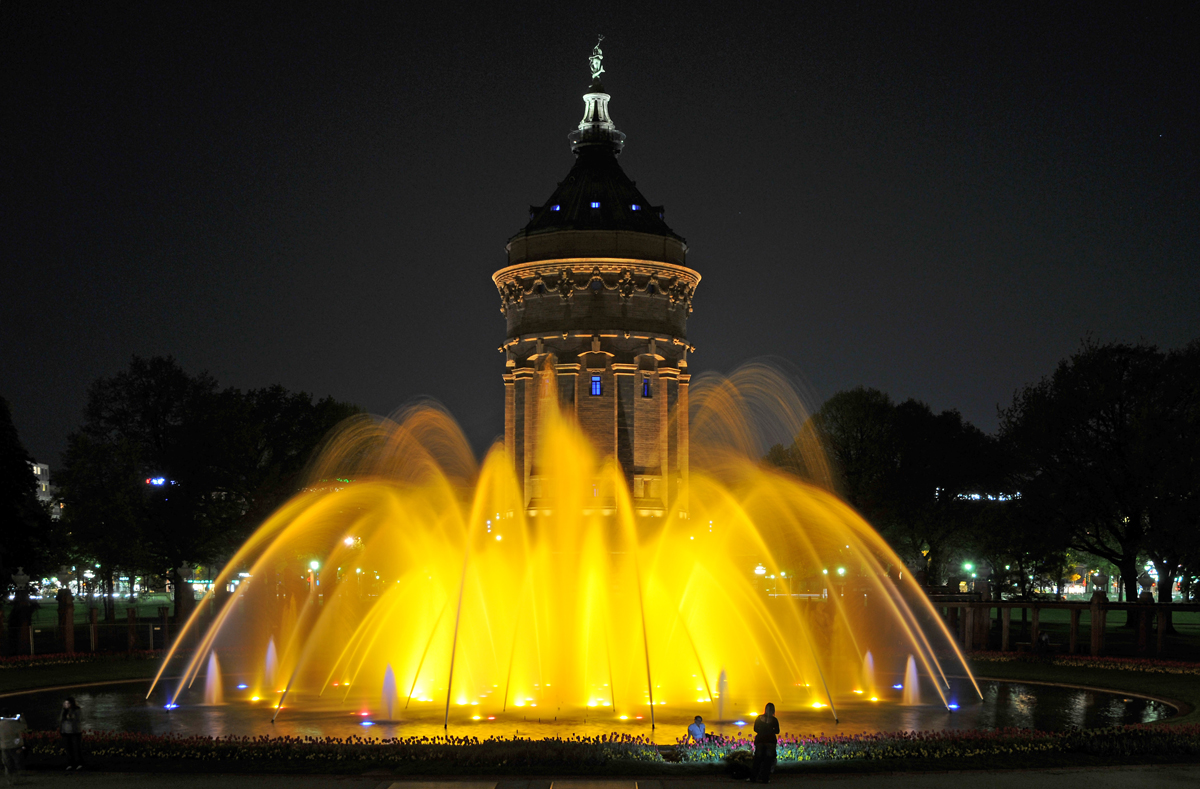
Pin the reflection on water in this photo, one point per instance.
(1004, 705)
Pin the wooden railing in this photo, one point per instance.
(970, 621)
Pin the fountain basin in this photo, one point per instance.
(122, 707)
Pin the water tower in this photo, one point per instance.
(596, 295)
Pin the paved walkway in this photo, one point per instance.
(1142, 777)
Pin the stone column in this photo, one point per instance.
(164, 618)
(131, 628)
(983, 620)
(526, 432)
(22, 612)
(1098, 617)
(510, 413)
(623, 379)
(1074, 644)
(1145, 613)
(69, 628)
(683, 406)
(1163, 620)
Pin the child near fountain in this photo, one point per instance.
(766, 729)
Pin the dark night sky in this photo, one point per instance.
(939, 200)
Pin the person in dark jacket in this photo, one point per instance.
(70, 726)
(766, 730)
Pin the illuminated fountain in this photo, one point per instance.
(623, 559)
(214, 693)
(436, 591)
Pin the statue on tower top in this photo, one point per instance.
(597, 60)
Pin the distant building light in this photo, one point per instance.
(596, 388)
(635, 207)
(595, 204)
(988, 496)
(556, 208)
(156, 481)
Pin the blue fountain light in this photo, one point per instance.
(367, 723)
(243, 686)
(739, 723)
(170, 706)
(952, 706)
(897, 687)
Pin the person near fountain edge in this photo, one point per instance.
(12, 732)
(70, 726)
(766, 729)
(696, 730)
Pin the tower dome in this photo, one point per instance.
(596, 294)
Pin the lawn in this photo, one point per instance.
(104, 668)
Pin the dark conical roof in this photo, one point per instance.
(596, 195)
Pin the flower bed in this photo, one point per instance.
(610, 754)
(1121, 741)
(459, 754)
(1148, 665)
(78, 658)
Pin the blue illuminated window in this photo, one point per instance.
(595, 386)
(636, 207)
(645, 387)
(555, 207)
(595, 204)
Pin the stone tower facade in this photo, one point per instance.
(596, 295)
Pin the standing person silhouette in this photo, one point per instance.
(766, 728)
(70, 726)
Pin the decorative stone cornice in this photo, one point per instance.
(566, 277)
(654, 342)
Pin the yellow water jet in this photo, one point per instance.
(586, 605)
